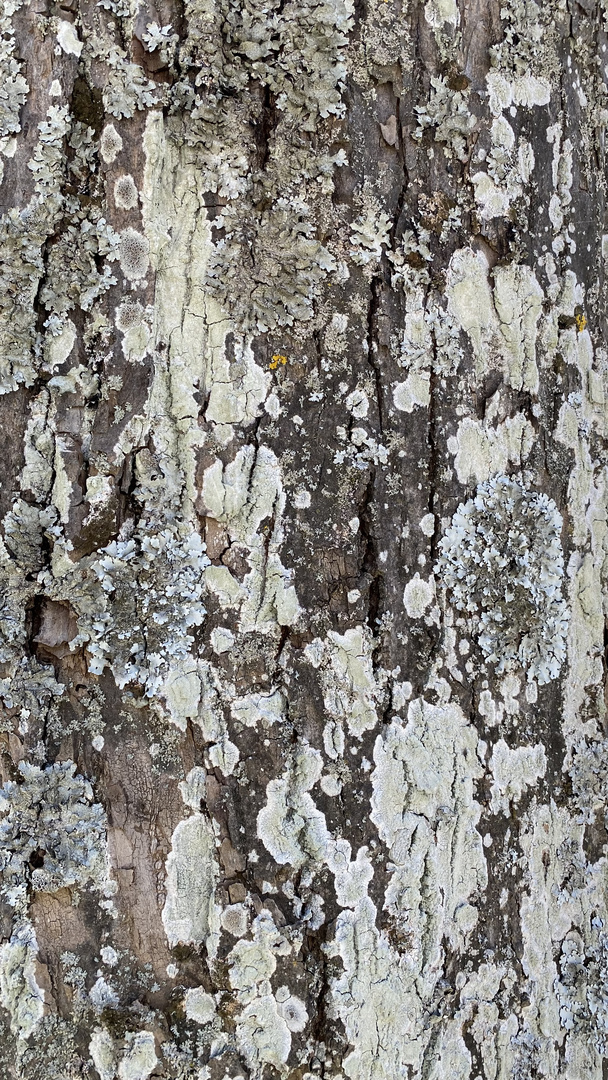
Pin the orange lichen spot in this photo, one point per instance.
(581, 322)
(276, 360)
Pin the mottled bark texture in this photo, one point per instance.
(304, 536)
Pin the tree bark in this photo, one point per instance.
(304, 534)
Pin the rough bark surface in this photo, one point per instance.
(304, 520)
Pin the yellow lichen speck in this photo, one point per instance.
(581, 322)
(276, 360)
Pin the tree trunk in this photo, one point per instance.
(304, 533)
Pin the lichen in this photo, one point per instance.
(483, 448)
(415, 807)
(125, 193)
(418, 596)
(263, 1036)
(351, 691)
(144, 634)
(281, 275)
(140, 1058)
(133, 252)
(68, 38)
(514, 770)
(243, 495)
(291, 1009)
(199, 1005)
(290, 826)
(14, 87)
(374, 998)
(268, 263)
(52, 811)
(460, 365)
(582, 988)
(22, 235)
(502, 323)
(502, 565)
(189, 915)
(104, 1054)
(19, 991)
(369, 235)
(412, 393)
(110, 144)
(126, 90)
(448, 113)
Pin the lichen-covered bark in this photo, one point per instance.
(304, 526)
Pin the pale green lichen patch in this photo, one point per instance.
(413, 393)
(559, 901)
(484, 448)
(263, 1030)
(418, 596)
(199, 1005)
(68, 38)
(581, 989)
(514, 770)
(501, 322)
(139, 1058)
(290, 826)
(104, 1054)
(375, 998)
(351, 691)
(291, 1009)
(415, 806)
(133, 1058)
(263, 1036)
(192, 872)
(243, 494)
(19, 992)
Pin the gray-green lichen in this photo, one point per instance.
(143, 632)
(13, 85)
(51, 811)
(501, 562)
(267, 263)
